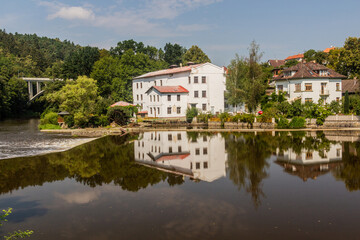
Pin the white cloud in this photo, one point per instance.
(79, 197)
(71, 13)
(142, 20)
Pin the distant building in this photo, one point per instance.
(277, 66)
(168, 93)
(310, 82)
(327, 50)
(297, 57)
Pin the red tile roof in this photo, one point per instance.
(169, 89)
(350, 85)
(327, 50)
(308, 70)
(173, 157)
(143, 112)
(169, 71)
(295, 57)
(122, 104)
(276, 63)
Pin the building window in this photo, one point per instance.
(308, 86)
(189, 79)
(298, 87)
(196, 94)
(137, 97)
(338, 152)
(169, 137)
(141, 97)
(140, 85)
(203, 79)
(309, 155)
(137, 85)
(178, 110)
(204, 107)
(204, 94)
(337, 86)
(204, 138)
(197, 151)
(280, 87)
(205, 151)
(308, 99)
(196, 79)
(158, 97)
(205, 165)
(169, 97)
(178, 97)
(179, 149)
(197, 165)
(338, 99)
(160, 82)
(150, 110)
(158, 110)
(179, 136)
(170, 149)
(150, 98)
(155, 111)
(155, 83)
(169, 110)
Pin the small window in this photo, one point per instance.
(308, 99)
(169, 110)
(203, 79)
(280, 87)
(338, 152)
(140, 85)
(191, 165)
(298, 87)
(179, 149)
(197, 151)
(204, 94)
(150, 98)
(158, 110)
(169, 97)
(141, 97)
(204, 138)
(152, 136)
(196, 94)
(308, 86)
(179, 136)
(150, 110)
(196, 79)
(158, 97)
(169, 137)
(137, 85)
(337, 86)
(170, 149)
(204, 107)
(155, 83)
(160, 82)
(189, 79)
(178, 110)
(205, 151)
(309, 155)
(137, 97)
(205, 165)
(197, 165)
(178, 97)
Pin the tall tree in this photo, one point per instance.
(346, 103)
(195, 55)
(173, 53)
(246, 80)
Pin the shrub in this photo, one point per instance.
(69, 120)
(191, 113)
(335, 107)
(247, 118)
(235, 118)
(203, 117)
(297, 122)
(49, 126)
(224, 117)
(50, 118)
(283, 123)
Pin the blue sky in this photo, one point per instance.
(221, 28)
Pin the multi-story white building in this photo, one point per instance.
(168, 93)
(202, 158)
(310, 82)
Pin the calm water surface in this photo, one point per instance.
(179, 185)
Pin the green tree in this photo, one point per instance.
(291, 63)
(195, 55)
(78, 98)
(246, 80)
(173, 53)
(346, 103)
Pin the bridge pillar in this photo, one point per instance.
(31, 90)
(38, 87)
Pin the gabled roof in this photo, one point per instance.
(295, 57)
(327, 50)
(276, 63)
(168, 89)
(169, 71)
(122, 104)
(350, 85)
(308, 70)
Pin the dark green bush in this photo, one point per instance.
(203, 117)
(191, 113)
(50, 118)
(297, 122)
(283, 123)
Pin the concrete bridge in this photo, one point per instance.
(35, 85)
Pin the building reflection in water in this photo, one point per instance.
(200, 158)
(310, 163)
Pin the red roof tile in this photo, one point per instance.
(276, 63)
(350, 85)
(169, 71)
(169, 89)
(295, 56)
(327, 50)
(173, 157)
(143, 112)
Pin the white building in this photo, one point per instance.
(310, 82)
(203, 158)
(168, 93)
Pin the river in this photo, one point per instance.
(188, 185)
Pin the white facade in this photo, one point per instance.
(203, 159)
(205, 83)
(311, 89)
